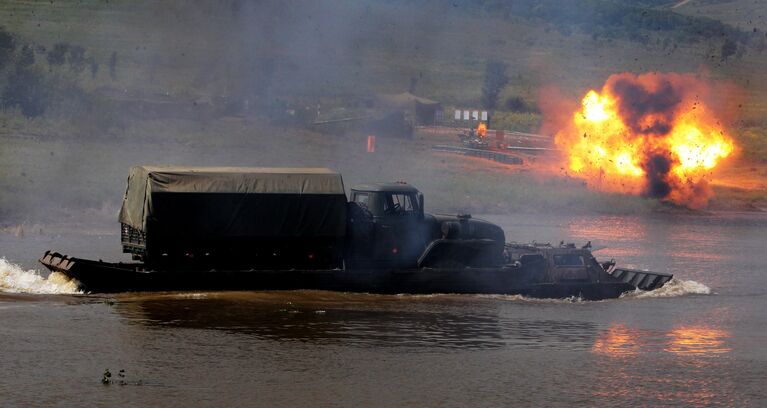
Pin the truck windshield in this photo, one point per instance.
(400, 204)
(362, 199)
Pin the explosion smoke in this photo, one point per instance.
(651, 134)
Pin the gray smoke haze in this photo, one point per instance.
(273, 49)
(212, 82)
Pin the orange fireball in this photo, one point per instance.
(649, 134)
(481, 129)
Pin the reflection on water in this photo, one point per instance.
(697, 340)
(618, 340)
(608, 228)
(358, 320)
(621, 230)
(669, 384)
(681, 377)
(634, 237)
(693, 243)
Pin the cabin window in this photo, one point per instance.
(399, 204)
(568, 260)
(530, 259)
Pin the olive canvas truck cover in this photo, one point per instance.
(264, 215)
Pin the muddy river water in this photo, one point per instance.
(699, 341)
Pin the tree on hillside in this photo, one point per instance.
(517, 104)
(58, 55)
(113, 65)
(495, 80)
(26, 57)
(76, 58)
(729, 48)
(94, 66)
(7, 47)
(28, 90)
(413, 84)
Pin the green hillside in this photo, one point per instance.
(210, 48)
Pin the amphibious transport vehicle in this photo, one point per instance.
(195, 228)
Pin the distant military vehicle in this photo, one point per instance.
(473, 139)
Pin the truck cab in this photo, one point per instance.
(388, 225)
(384, 200)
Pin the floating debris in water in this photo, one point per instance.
(106, 378)
(121, 379)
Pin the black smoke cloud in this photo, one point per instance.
(656, 168)
(647, 111)
(649, 105)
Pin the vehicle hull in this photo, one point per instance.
(106, 277)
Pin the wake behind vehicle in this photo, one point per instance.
(293, 228)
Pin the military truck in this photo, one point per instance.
(287, 218)
(293, 228)
(234, 217)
